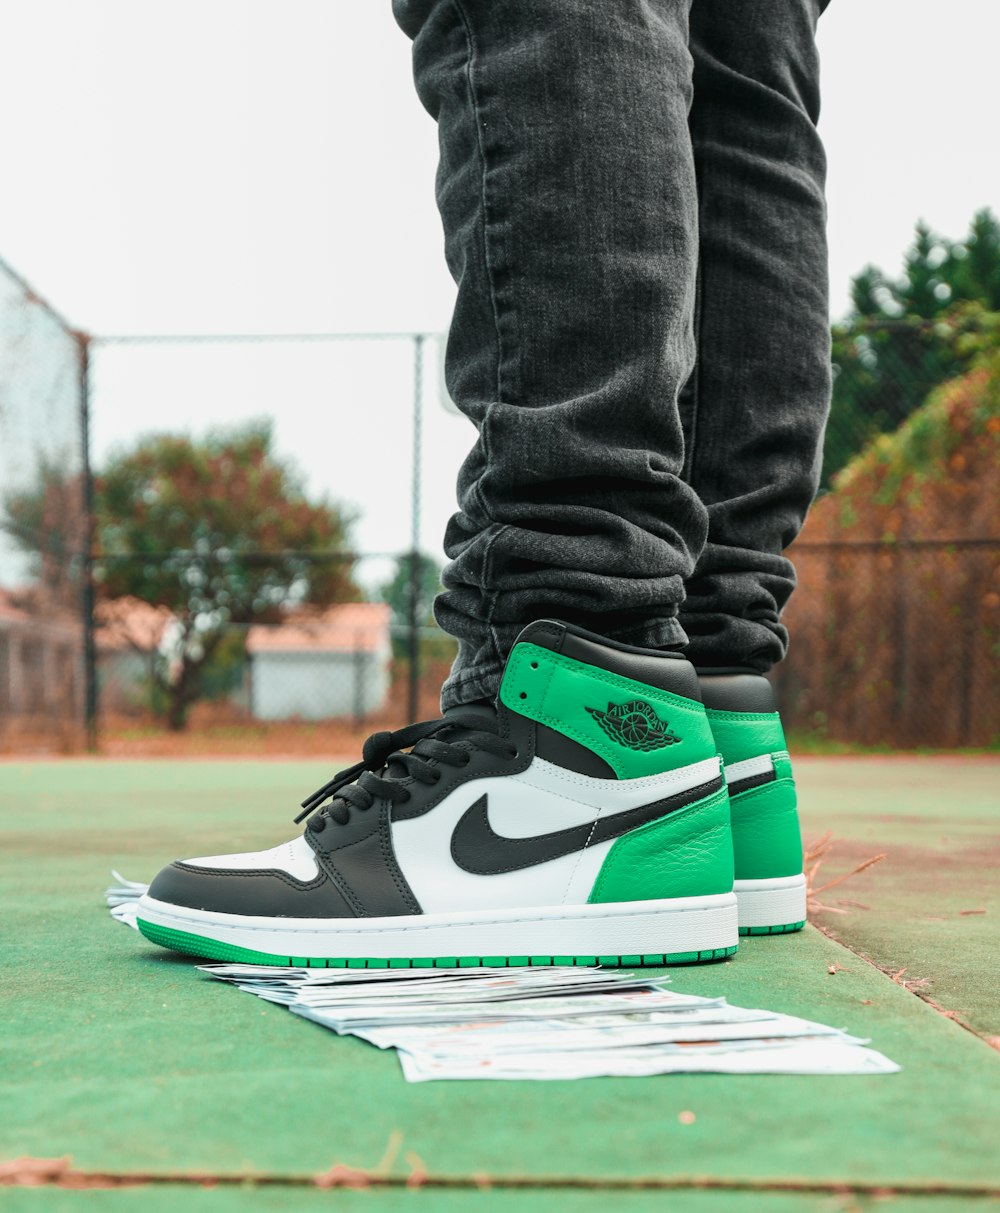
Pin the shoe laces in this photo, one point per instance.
(384, 765)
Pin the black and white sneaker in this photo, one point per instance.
(582, 820)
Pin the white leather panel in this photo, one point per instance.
(571, 798)
(542, 799)
(761, 765)
(295, 857)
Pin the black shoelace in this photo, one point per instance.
(383, 764)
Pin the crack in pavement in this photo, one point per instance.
(910, 985)
(60, 1173)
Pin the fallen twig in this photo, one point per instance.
(812, 861)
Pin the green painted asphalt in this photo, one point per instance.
(168, 1199)
(121, 1056)
(932, 906)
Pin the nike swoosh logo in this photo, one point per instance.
(477, 848)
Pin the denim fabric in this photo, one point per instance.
(630, 192)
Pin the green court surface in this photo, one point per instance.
(170, 1198)
(932, 906)
(122, 1057)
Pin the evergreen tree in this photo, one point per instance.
(974, 270)
(900, 339)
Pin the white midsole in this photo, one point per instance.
(779, 901)
(679, 924)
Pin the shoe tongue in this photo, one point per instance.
(473, 713)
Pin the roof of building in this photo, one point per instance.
(350, 627)
(9, 611)
(24, 611)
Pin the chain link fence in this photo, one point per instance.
(45, 644)
(895, 625)
(894, 644)
(308, 679)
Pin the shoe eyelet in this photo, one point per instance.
(524, 694)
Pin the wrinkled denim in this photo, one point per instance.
(633, 209)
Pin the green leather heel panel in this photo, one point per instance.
(637, 729)
(741, 735)
(688, 853)
(783, 928)
(766, 837)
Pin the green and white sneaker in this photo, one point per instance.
(583, 819)
(767, 843)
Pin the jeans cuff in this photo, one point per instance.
(466, 686)
(663, 633)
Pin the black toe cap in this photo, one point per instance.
(269, 894)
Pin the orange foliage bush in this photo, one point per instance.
(896, 623)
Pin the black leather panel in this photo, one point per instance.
(752, 781)
(737, 693)
(667, 670)
(565, 752)
(359, 825)
(363, 864)
(269, 893)
(546, 633)
(549, 634)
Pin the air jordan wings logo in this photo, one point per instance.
(635, 725)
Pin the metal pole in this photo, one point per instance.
(413, 603)
(358, 656)
(87, 569)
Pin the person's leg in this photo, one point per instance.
(581, 814)
(567, 192)
(755, 407)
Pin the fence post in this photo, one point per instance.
(358, 655)
(89, 537)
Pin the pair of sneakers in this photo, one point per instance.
(613, 807)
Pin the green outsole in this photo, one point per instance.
(213, 949)
(783, 928)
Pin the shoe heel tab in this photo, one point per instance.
(736, 692)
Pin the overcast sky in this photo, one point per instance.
(246, 166)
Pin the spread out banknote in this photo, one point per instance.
(555, 1023)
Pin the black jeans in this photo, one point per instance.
(633, 208)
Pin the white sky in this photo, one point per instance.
(258, 166)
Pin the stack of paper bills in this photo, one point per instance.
(541, 1023)
(551, 1023)
(123, 898)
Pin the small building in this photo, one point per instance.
(41, 661)
(129, 636)
(321, 663)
